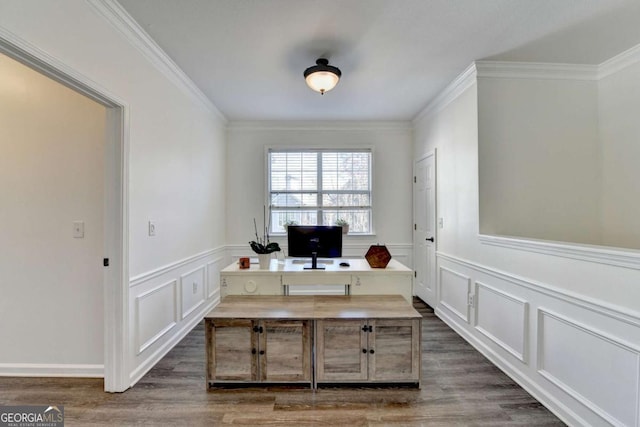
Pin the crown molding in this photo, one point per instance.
(298, 125)
(115, 14)
(459, 85)
(536, 70)
(619, 62)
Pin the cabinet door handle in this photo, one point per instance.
(253, 351)
(261, 351)
(370, 328)
(260, 330)
(364, 328)
(430, 239)
(255, 329)
(371, 351)
(364, 350)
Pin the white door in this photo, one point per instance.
(424, 235)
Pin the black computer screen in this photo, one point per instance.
(324, 240)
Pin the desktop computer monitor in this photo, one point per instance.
(313, 241)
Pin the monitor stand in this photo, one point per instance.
(314, 263)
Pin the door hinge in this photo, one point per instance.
(105, 262)
(472, 300)
(415, 274)
(415, 180)
(415, 226)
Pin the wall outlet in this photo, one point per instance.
(152, 228)
(441, 222)
(78, 229)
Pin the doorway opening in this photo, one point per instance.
(114, 211)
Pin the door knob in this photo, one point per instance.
(430, 239)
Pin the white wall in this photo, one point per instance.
(392, 177)
(539, 147)
(566, 329)
(176, 159)
(619, 103)
(51, 162)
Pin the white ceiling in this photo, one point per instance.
(248, 56)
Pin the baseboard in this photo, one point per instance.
(50, 370)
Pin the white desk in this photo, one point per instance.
(357, 279)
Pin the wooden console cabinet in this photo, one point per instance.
(373, 350)
(313, 340)
(243, 350)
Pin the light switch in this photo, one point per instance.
(78, 229)
(441, 222)
(152, 228)
(195, 287)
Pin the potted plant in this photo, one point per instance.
(262, 246)
(340, 222)
(289, 222)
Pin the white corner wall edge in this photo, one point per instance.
(48, 370)
(552, 352)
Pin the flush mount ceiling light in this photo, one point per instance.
(322, 77)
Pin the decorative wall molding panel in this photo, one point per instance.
(583, 364)
(454, 290)
(167, 303)
(156, 314)
(606, 380)
(213, 276)
(192, 291)
(502, 318)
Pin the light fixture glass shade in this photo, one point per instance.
(322, 81)
(322, 77)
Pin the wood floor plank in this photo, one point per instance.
(460, 388)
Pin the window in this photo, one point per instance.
(318, 187)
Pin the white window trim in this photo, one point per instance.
(327, 147)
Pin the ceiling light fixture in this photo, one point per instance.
(322, 77)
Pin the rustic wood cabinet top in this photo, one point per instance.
(313, 307)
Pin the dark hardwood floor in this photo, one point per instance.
(460, 388)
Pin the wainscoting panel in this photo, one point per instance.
(454, 292)
(192, 291)
(579, 358)
(502, 318)
(166, 303)
(156, 314)
(213, 276)
(599, 370)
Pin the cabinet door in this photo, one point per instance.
(341, 350)
(231, 351)
(396, 350)
(285, 351)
